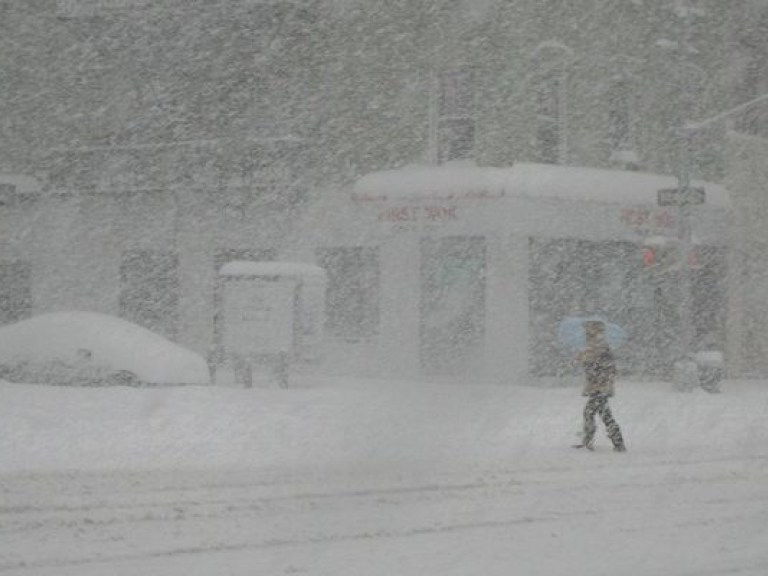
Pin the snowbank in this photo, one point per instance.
(358, 423)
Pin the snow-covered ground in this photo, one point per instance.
(383, 478)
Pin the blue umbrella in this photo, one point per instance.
(571, 332)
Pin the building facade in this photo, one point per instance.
(170, 137)
(470, 270)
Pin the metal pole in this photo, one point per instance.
(685, 241)
(684, 225)
(692, 127)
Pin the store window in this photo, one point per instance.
(710, 293)
(452, 305)
(352, 294)
(570, 277)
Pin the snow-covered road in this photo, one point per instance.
(602, 513)
(380, 479)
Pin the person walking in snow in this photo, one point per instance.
(600, 370)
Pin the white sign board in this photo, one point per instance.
(258, 316)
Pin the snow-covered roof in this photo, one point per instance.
(465, 180)
(248, 268)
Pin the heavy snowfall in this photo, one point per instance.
(298, 287)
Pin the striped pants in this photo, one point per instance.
(598, 404)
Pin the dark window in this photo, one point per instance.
(15, 291)
(548, 142)
(456, 114)
(352, 295)
(149, 294)
(548, 92)
(457, 93)
(620, 116)
(577, 277)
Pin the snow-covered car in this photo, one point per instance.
(87, 348)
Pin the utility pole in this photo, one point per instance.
(684, 223)
(687, 196)
(685, 242)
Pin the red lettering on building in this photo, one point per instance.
(400, 214)
(647, 218)
(440, 213)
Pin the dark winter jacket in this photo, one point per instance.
(599, 368)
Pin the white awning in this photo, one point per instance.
(467, 181)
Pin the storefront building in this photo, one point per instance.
(465, 272)
(159, 163)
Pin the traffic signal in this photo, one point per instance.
(667, 257)
(649, 257)
(660, 255)
(693, 258)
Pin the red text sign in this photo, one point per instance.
(419, 213)
(637, 217)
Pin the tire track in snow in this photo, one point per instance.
(81, 523)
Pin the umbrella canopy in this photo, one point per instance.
(571, 332)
